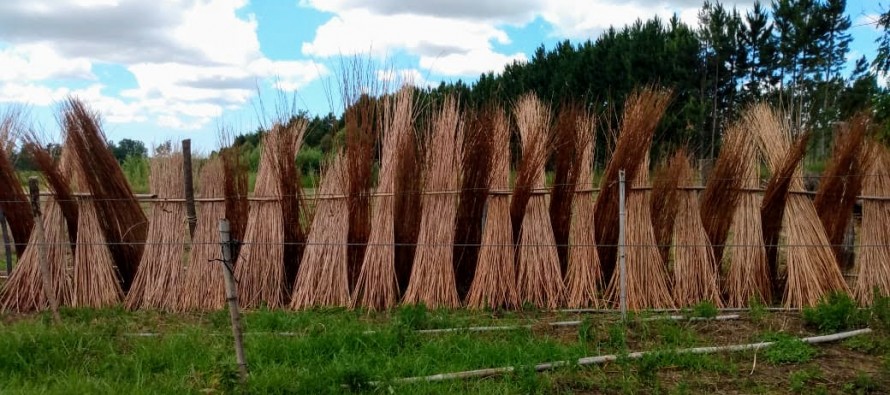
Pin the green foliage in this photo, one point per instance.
(834, 313)
(802, 380)
(705, 309)
(863, 383)
(787, 349)
(137, 170)
(413, 316)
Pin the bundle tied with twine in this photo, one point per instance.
(841, 183)
(584, 279)
(23, 291)
(538, 277)
(13, 200)
(322, 279)
(695, 267)
(812, 270)
(567, 146)
(119, 214)
(432, 274)
(723, 191)
(476, 169)
(643, 111)
(494, 282)
(202, 286)
(665, 203)
(96, 281)
(377, 287)
(873, 255)
(407, 197)
(747, 277)
(647, 278)
(155, 285)
(260, 268)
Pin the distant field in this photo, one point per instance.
(332, 351)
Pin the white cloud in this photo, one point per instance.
(471, 63)
(191, 59)
(397, 78)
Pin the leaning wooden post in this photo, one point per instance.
(7, 245)
(41, 249)
(622, 253)
(225, 240)
(188, 184)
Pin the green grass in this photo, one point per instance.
(337, 351)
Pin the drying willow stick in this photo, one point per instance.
(432, 275)
(377, 287)
(584, 278)
(494, 283)
(873, 255)
(539, 280)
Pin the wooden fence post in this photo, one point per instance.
(225, 240)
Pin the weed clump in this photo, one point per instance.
(834, 313)
(787, 350)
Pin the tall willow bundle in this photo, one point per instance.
(584, 278)
(162, 262)
(723, 191)
(260, 269)
(23, 292)
(748, 275)
(202, 287)
(377, 287)
(56, 174)
(566, 164)
(290, 192)
(323, 276)
(873, 257)
(695, 267)
(432, 274)
(476, 169)
(408, 188)
(538, 277)
(96, 281)
(494, 283)
(236, 190)
(361, 135)
(842, 182)
(665, 202)
(647, 277)
(119, 215)
(13, 200)
(643, 110)
(812, 271)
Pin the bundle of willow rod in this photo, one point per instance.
(155, 284)
(361, 135)
(747, 278)
(291, 194)
(723, 191)
(643, 110)
(260, 268)
(538, 277)
(494, 283)
(812, 271)
(584, 278)
(119, 214)
(236, 190)
(13, 200)
(407, 197)
(322, 279)
(56, 174)
(841, 183)
(873, 257)
(665, 203)
(566, 164)
(647, 278)
(476, 169)
(24, 292)
(96, 281)
(377, 287)
(432, 274)
(695, 267)
(202, 287)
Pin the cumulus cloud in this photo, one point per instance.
(190, 58)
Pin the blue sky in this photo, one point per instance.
(174, 69)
